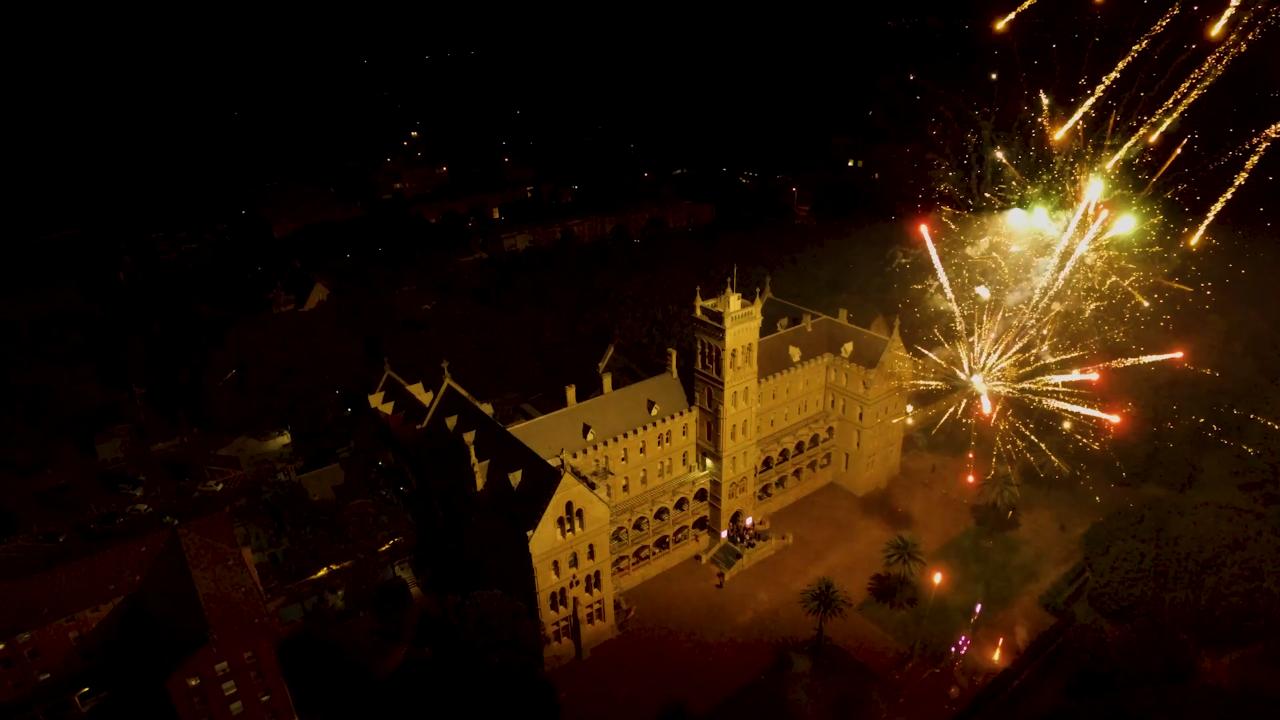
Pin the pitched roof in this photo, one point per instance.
(823, 334)
(602, 417)
(450, 420)
(509, 468)
(229, 594)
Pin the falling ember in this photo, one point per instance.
(995, 657)
(1115, 73)
(1216, 29)
(1002, 22)
(1263, 141)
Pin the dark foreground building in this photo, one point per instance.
(168, 625)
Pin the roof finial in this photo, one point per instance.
(767, 290)
(564, 460)
(444, 365)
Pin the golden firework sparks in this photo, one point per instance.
(1216, 29)
(1003, 22)
(1263, 141)
(1115, 73)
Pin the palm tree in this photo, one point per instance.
(823, 600)
(902, 556)
(1002, 491)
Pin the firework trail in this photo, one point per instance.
(1004, 21)
(1263, 141)
(1115, 73)
(1216, 29)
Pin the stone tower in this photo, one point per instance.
(726, 334)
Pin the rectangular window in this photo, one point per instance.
(843, 406)
(229, 687)
(193, 681)
(846, 462)
(236, 707)
(222, 668)
(832, 399)
(624, 456)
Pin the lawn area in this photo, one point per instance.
(977, 567)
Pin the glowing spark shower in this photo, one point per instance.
(1262, 141)
(1048, 273)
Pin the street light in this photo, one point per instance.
(937, 579)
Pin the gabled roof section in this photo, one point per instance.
(608, 416)
(505, 469)
(822, 334)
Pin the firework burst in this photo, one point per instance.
(1043, 288)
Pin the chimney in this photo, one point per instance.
(844, 315)
(671, 362)
(570, 395)
(808, 321)
(606, 382)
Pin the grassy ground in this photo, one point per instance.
(977, 567)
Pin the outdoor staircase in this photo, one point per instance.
(725, 556)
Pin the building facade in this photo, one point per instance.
(636, 479)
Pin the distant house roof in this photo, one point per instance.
(229, 593)
(603, 417)
(219, 572)
(823, 334)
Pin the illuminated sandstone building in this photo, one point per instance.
(591, 499)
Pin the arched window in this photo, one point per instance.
(642, 448)
(573, 560)
(766, 464)
(644, 477)
(555, 569)
(733, 432)
(682, 504)
(564, 599)
(560, 525)
(684, 430)
(831, 432)
(587, 583)
(668, 437)
(733, 400)
(733, 359)
(582, 525)
(700, 495)
(626, 484)
(554, 602)
(814, 440)
(597, 577)
(568, 516)
(670, 466)
(591, 552)
(744, 429)
(661, 469)
(659, 441)
(684, 459)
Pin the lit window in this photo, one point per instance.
(222, 668)
(229, 687)
(250, 657)
(264, 698)
(193, 681)
(236, 707)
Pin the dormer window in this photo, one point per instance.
(588, 433)
(653, 408)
